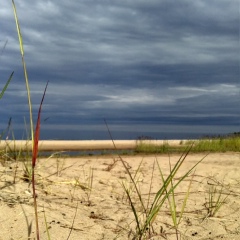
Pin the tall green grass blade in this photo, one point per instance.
(18, 29)
(133, 210)
(127, 170)
(185, 200)
(6, 85)
(73, 221)
(150, 187)
(172, 203)
(170, 177)
(25, 69)
(160, 197)
(173, 207)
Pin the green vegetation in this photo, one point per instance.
(24, 69)
(223, 144)
(6, 85)
(149, 148)
(146, 214)
(228, 144)
(216, 199)
(34, 135)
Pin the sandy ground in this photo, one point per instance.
(73, 206)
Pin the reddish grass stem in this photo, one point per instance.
(34, 158)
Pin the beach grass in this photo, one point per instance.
(34, 135)
(227, 144)
(221, 144)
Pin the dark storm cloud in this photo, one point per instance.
(152, 62)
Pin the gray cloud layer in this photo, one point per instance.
(149, 62)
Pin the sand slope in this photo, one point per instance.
(104, 212)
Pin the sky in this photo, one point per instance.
(157, 68)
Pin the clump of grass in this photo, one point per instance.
(86, 186)
(149, 210)
(12, 154)
(217, 145)
(60, 164)
(175, 214)
(216, 198)
(150, 148)
(222, 144)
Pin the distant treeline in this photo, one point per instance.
(213, 136)
(229, 135)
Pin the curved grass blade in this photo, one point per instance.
(6, 85)
(18, 29)
(37, 131)
(4, 48)
(45, 221)
(24, 69)
(34, 158)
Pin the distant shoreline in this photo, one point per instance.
(79, 145)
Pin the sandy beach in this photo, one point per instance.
(78, 145)
(84, 197)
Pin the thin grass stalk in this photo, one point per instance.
(167, 181)
(6, 85)
(4, 46)
(139, 229)
(219, 205)
(157, 204)
(185, 200)
(35, 204)
(127, 170)
(173, 207)
(6, 131)
(34, 158)
(151, 182)
(172, 203)
(25, 70)
(75, 215)
(172, 174)
(162, 194)
(136, 180)
(215, 205)
(211, 193)
(29, 224)
(46, 225)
